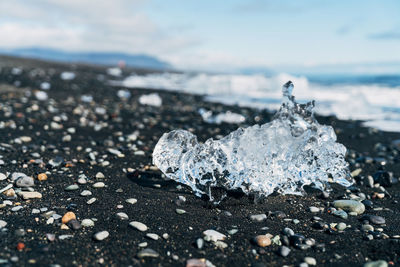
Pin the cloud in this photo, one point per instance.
(388, 35)
(92, 25)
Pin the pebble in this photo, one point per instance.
(340, 213)
(139, 226)
(2, 176)
(2, 224)
(287, 231)
(220, 244)
(380, 263)
(85, 193)
(262, 241)
(98, 185)
(258, 217)
(341, 226)
(25, 181)
(310, 261)
(148, 252)
(62, 237)
(67, 217)
(212, 235)
(71, 187)
(367, 227)
(131, 201)
(91, 201)
(87, 223)
(82, 180)
(284, 251)
(100, 175)
(373, 219)
(42, 177)
(153, 236)
(99, 236)
(180, 211)
(199, 243)
(122, 216)
(29, 195)
(51, 237)
(313, 209)
(74, 224)
(16, 208)
(196, 263)
(350, 206)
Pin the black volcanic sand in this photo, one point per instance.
(133, 176)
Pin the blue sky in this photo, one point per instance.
(212, 35)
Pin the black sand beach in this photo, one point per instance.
(68, 139)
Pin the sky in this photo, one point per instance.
(210, 34)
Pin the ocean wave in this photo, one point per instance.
(377, 104)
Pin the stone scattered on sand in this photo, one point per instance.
(99, 236)
(131, 201)
(262, 241)
(258, 217)
(67, 217)
(139, 226)
(87, 223)
(71, 187)
(350, 206)
(379, 263)
(212, 235)
(29, 195)
(148, 252)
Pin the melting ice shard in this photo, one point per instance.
(283, 155)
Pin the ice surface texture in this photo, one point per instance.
(283, 155)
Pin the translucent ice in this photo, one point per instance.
(227, 117)
(150, 100)
(283, 155)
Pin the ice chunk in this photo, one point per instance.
(124, 94)
(67, 75)
(227, 117)
(151, 100)
(283, 155)
(117, 72)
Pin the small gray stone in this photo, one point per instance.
(87, 223)
(284, 251)
(16, 208)
(367, 227)
(99, 236)
(139, 226)
(258, 217)
(74, 224)
(85, 193)
(212, 235)
(350, 206)
(122, 216)
(131, 200)
(287, 231)
(72, 187)
(24, 181)
(199, 243)
(313, 209)
(180, 211)
(340, 213)
(375, 219)
(380, 263)
(341, 226)
(148, 252)
(98, 185)
(2, 224)
(153, 236)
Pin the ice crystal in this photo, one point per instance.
(283, 155)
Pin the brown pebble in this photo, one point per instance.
(42, 177)
(67, 217)
(262, 240)
(10, 192)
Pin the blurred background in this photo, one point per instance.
(344, 54)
